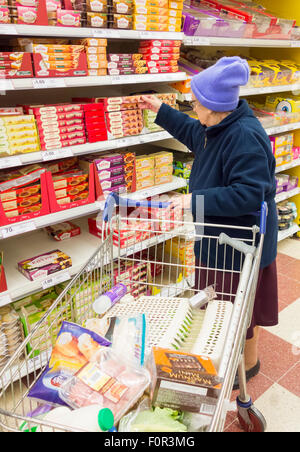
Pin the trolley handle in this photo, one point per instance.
(238, 245)
(113, 200)
(263, 213)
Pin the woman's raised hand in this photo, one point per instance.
(150, 103)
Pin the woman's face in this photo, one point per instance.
(203, 113)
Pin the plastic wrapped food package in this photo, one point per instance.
(109, 382)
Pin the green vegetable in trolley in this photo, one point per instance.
(157, 420)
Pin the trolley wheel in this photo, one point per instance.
(250, 418)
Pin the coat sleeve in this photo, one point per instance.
(187, 130)
(247, 180)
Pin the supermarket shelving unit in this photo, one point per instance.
(18, 285)
(28, 238)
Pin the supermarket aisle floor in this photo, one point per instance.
(276, 389)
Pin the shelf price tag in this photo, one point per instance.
(44, 83)
(116, 79)
(8, 29)
(8, 162)
(6, 85)
(295, 44)
(56, 154)
(17, 229)
(56, 279)
(5, 299)
(199, 41)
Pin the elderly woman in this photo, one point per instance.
(234, 170)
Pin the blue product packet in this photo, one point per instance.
(75, 346)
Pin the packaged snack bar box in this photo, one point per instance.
(44, 264)
(183, 381)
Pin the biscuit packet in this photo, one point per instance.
(75, 346)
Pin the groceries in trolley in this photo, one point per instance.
(73, 348)
(128, 363)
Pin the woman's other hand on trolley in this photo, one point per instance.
(151, 103)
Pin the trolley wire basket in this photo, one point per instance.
(161, 274)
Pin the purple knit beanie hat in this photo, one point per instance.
(218, 87)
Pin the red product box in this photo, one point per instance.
(40, 69)
(45, 110)
(54, 123)
(93, 138)
(159, 57)
(33, 16)
(44, 205)
(56, 207)
(93, 107)
(159, 63)
(160, 43)
(160, 50)
(24, 71)
(63, 231)
(162, 70)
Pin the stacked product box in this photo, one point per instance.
(15, 65)
(11, 335)
(145, 173)
(123, 116)
(96, 55)
(157, 15)
(71, 186)
(104, 13)
(126, 64)
(109, 173)
(161, 55)
(282, 147)
(126, 233)
(21, 191)
(150, 116)
(121, 14)
(58, 60)
(261, 23)
(285, 182)
(182, 166)
(59, 125)
(201, 20)
(183, 250)
(163, 166)
(18, 134)
(30, 311)
(31, 12)
(133, 275)
(95, 125)
(164, 219)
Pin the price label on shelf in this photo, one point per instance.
(99, 33)
(116, 79)
(5, 299)
(16, 229)
(45, 83)
(8, 29)
(56, 154)
(295, 44)
(8, 162)
(56, 279)
(200, 41)
(6, 85)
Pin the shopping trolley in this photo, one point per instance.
(148, 246)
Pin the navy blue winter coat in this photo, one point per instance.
(234, 169)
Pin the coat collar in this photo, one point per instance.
(242, 110)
